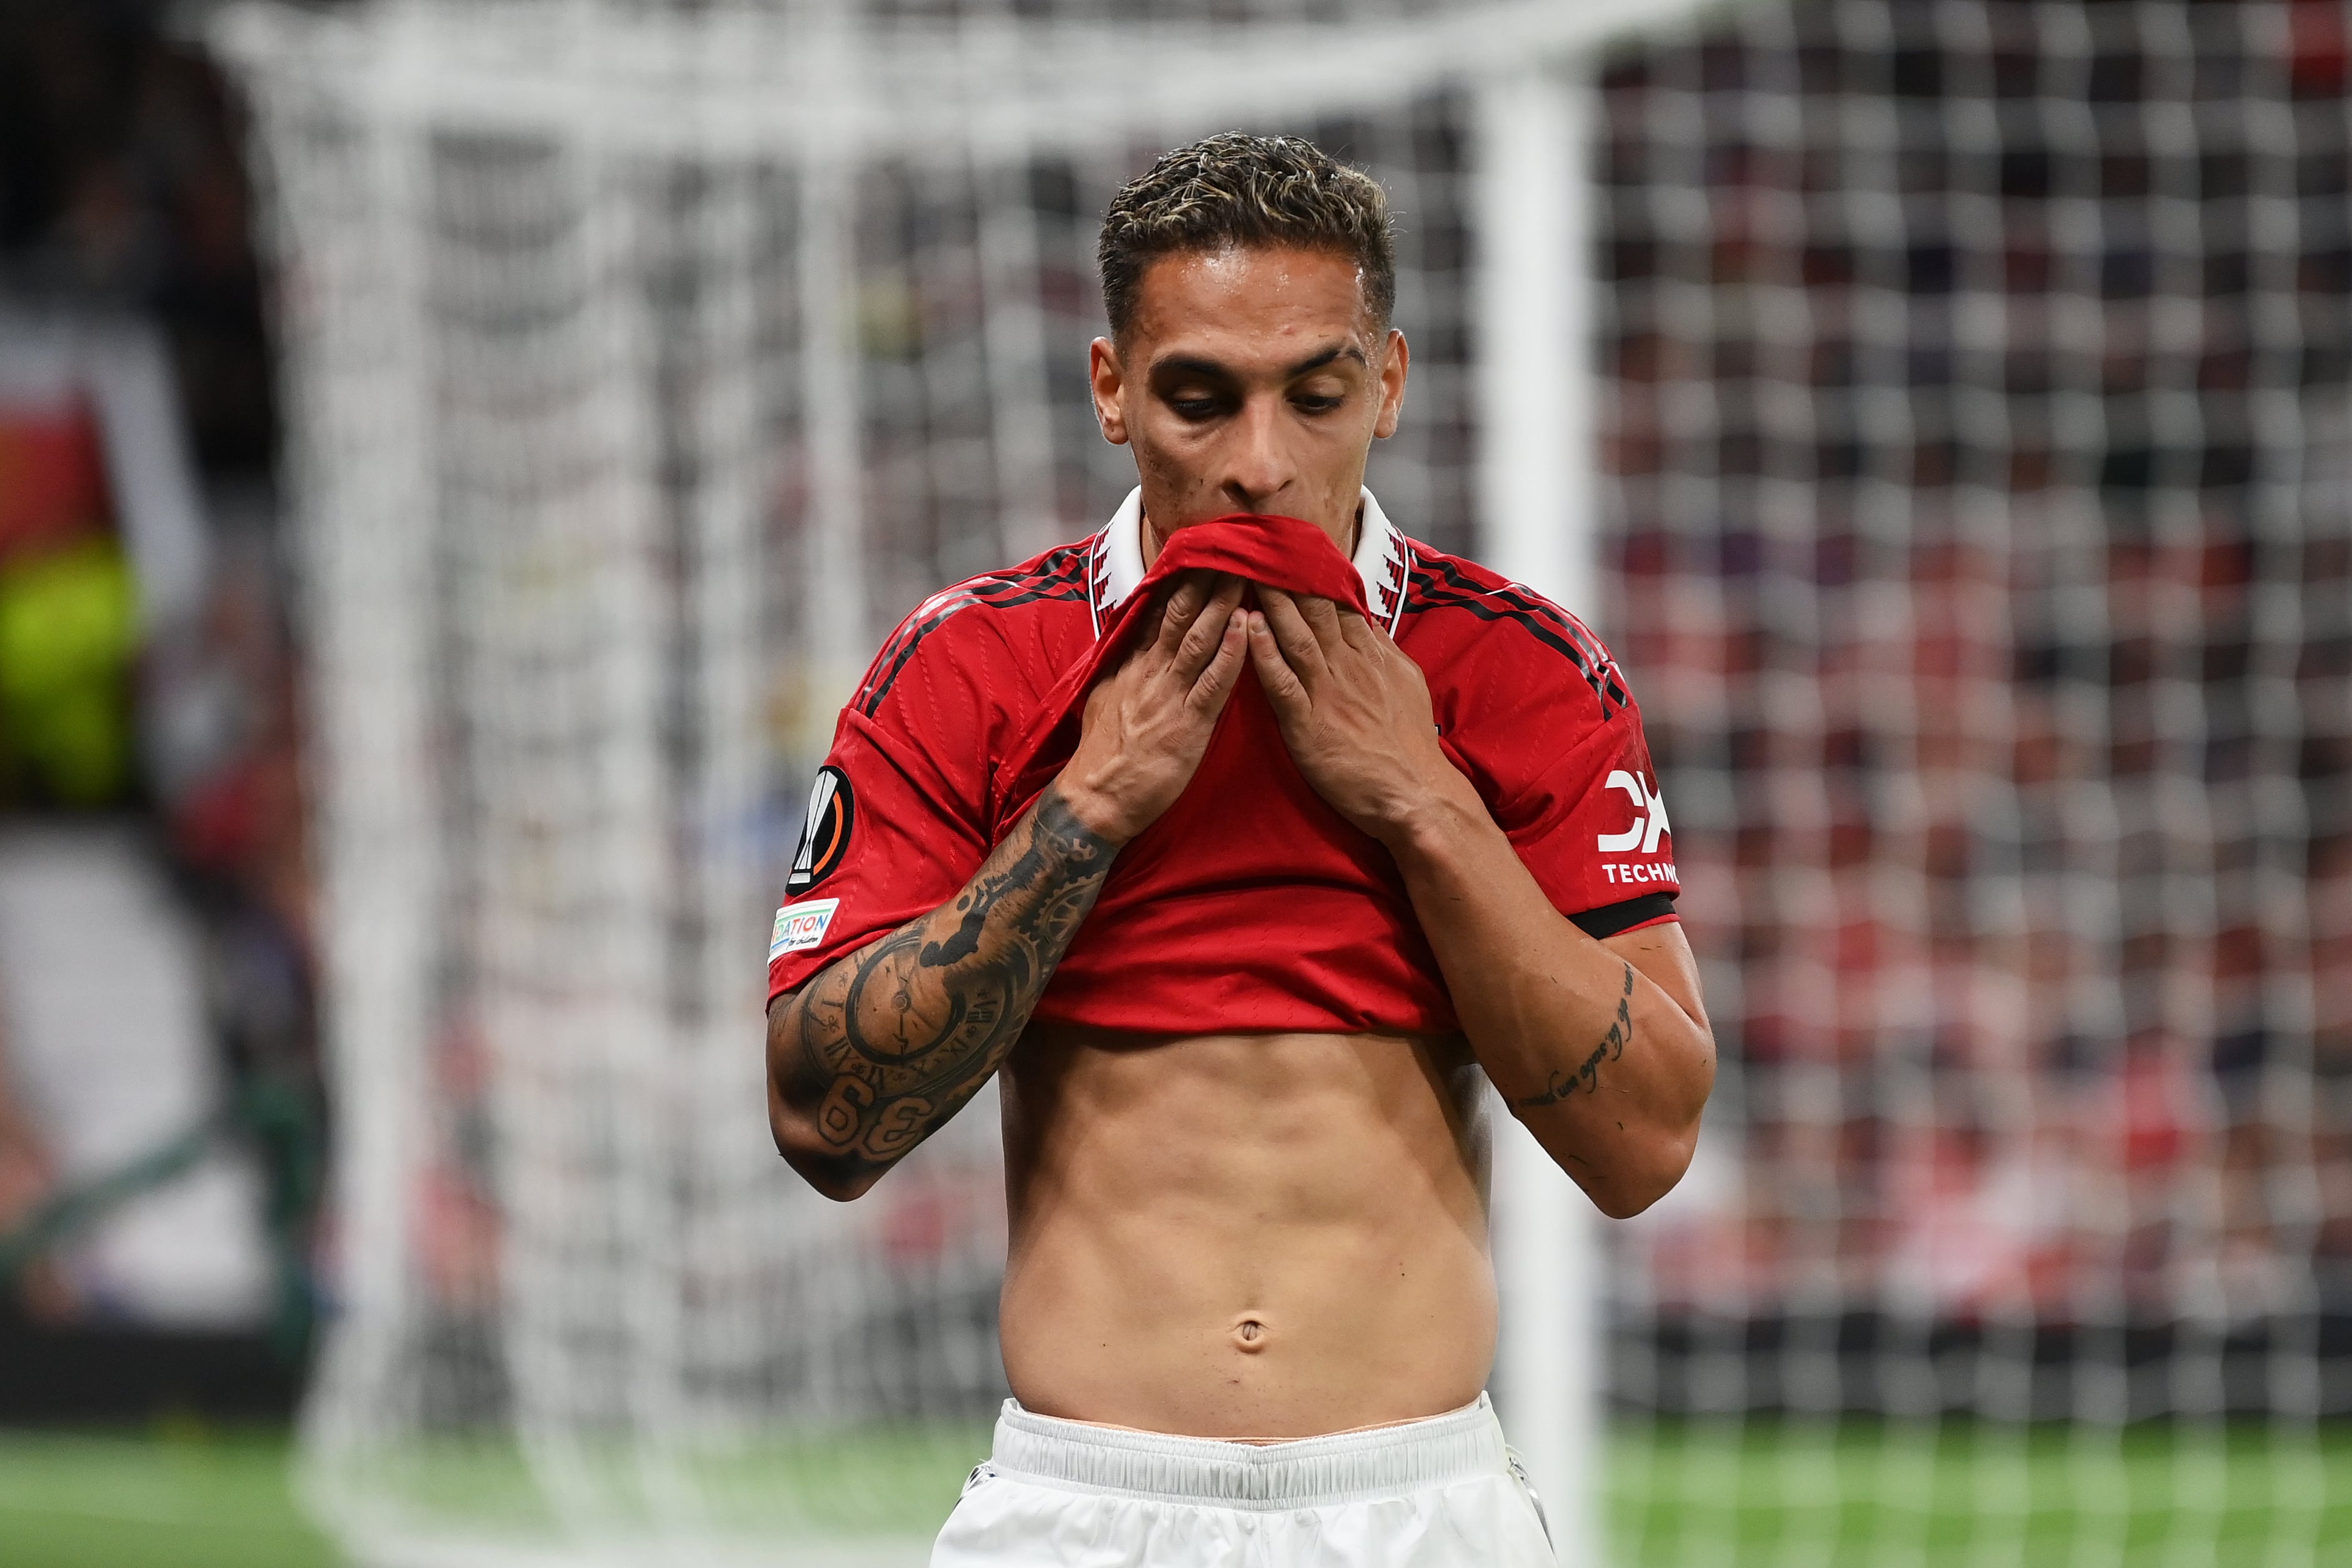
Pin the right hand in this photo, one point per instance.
(1148, 723)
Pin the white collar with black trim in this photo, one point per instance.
(1117, 570)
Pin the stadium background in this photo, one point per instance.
(1972, 413)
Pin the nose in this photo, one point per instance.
(1258, 469)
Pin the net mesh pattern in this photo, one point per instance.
(1975, 419)
(614, 467)
(1973, 434)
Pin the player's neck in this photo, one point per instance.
(1153, 539)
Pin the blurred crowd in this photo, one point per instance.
(1977, 421)
(1977, 416)
(148, 700)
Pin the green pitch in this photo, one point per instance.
(1831, 1494)
(184, 1500)
(1679, 1494)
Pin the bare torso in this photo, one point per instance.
(1258, 1237)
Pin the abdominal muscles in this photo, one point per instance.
(1252, 1238)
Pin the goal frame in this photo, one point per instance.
(637, 82)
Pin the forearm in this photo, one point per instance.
(866, 1060)
(1607, 1068)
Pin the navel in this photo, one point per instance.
(1250, 1334)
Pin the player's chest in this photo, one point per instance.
(1250, 819)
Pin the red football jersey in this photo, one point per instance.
(1250, 905)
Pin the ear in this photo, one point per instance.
(1393, 366)
(1110, 389)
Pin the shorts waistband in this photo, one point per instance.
(1311, 1472)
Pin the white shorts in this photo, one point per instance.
(1440, 1493)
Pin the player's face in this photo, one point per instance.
(1251, 381)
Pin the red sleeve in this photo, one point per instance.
(1553, 740)
(893, 821)
(1588, 824)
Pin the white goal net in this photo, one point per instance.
(646, 363)
(1967, 507)
(1980, 543)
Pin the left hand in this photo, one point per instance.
(1354, 710)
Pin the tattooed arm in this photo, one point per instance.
(879, 1048)
(1602, 1047)
(883, 1045)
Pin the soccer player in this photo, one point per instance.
(1244, 839)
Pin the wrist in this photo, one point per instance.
(1432, 818)
(1095, 810)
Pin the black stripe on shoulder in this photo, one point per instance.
(1445, 586)
(1057, 575)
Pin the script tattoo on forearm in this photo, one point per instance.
(1562, 1084)
(898, 1037)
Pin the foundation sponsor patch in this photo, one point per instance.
(800, 926)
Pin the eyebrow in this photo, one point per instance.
(1190, 364)
(1336, 352)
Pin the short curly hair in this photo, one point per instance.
(1234, 189)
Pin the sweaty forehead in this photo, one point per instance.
(1266, 299)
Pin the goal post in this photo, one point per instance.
(643, 361)
(1939, 405)
(1538, 514)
